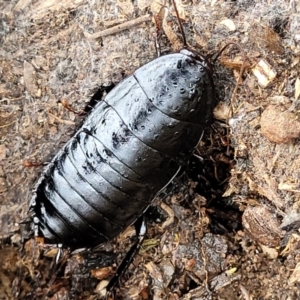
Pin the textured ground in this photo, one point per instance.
(230, 231)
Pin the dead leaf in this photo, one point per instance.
(266, 38)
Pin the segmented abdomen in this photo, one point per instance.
(129, 148)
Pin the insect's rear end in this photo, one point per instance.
(131, 146)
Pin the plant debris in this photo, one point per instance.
(198, 244)
(279, 125)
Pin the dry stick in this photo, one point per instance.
(118, 28)
(61, 120)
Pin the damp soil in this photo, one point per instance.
(228, 226)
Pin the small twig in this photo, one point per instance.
(171, 215)
(61, 120)
(118, 28)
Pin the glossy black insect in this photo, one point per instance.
(129, 148)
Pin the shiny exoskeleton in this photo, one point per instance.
(129, 148)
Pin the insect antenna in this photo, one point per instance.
(180, 25)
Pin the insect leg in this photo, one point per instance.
(104, 89)
(141, 228)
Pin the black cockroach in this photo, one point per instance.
(132, 144)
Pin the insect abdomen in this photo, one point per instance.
(130, 147)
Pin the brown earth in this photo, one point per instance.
(230, 231)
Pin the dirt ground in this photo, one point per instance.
(228, 228)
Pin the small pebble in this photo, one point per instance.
(279, 125)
